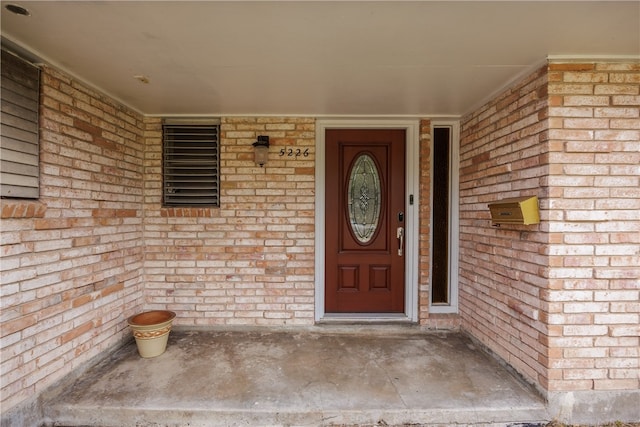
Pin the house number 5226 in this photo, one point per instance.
(290, 152)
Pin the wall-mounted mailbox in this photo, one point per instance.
(519, 210)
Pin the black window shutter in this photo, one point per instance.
(19, 140)
(191, 164)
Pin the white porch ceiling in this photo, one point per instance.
(318, 58)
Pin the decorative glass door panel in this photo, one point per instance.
(364, 198)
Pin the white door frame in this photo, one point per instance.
(412, 158)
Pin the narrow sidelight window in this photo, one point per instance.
(441, 216)
(191, 164)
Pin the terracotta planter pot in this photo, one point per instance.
(151, 331)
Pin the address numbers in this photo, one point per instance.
(294, 152)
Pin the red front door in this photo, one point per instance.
(365, 203)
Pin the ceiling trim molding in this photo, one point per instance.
(314, 116)
(559, 59)
(20, 52)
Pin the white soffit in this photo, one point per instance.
(379, 58)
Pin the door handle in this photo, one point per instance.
(400, 235)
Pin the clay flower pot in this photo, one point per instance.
(151, 331)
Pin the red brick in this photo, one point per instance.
(76, 332)
(112, 289)
(16, 325)
(571, 67)
(104, 143)
(87, 127)
(53, 224)
(7, 209)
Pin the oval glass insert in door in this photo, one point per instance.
(364, 198)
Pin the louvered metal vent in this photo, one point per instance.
(19, 142)
(191, 164)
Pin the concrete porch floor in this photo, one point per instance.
(358, 375)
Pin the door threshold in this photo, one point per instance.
(372, 318)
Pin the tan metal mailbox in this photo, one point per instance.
(519, 210)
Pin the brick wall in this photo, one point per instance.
(71, 261)
(594, 226)
(503, 154)
(251, 261)
(424, 244)
(560, 300)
